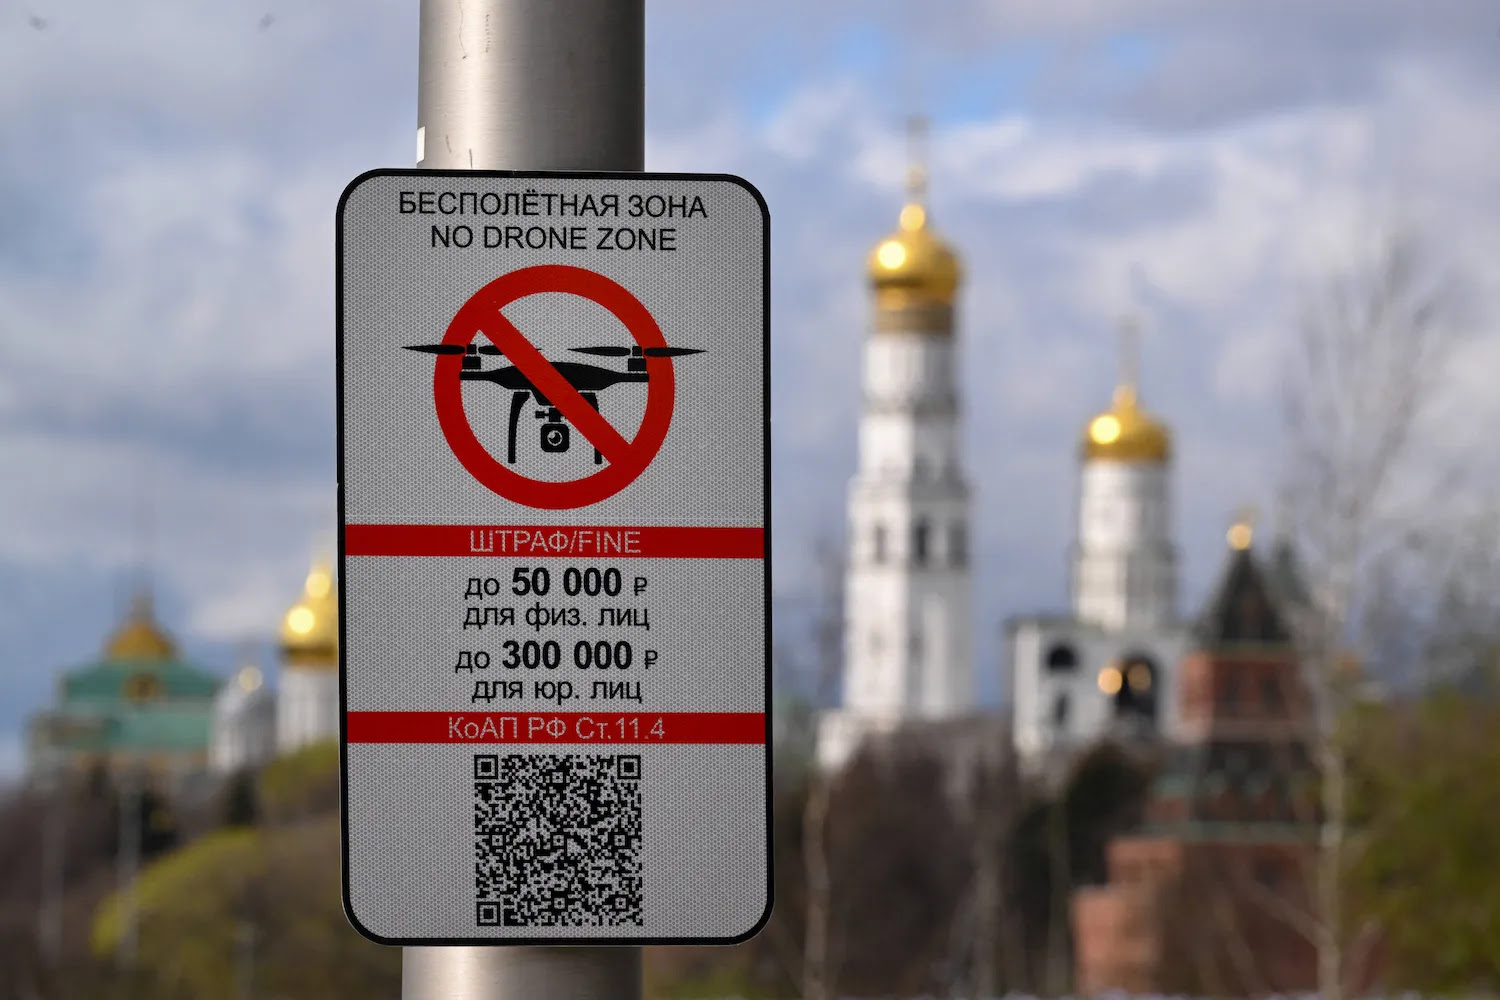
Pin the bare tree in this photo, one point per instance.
(1059, 856)
(828, 641)
(994, 818)
(1371, 348)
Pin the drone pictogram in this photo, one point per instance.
(589, 380)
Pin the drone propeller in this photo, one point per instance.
(625, 352)
(604, 352)
(490, 349)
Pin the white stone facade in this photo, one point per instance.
(1124, 564)
(1109, 668)
(1062, 701)
(307, 706)
(244, 723)
(907, 637)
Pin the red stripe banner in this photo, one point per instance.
(562, 541)
(582, 728)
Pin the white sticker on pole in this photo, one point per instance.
(554, 524)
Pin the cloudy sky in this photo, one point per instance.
(170, 169)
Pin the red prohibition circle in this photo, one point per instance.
(626, 460)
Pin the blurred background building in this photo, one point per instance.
(1107, 668)
(907, 633)
(143, 710)
(307, 704)
(1231, 815)
(140, 709)
(1212, 704)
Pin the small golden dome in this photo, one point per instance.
(139, 637)
(1126, 433)
(914, 266)
(310, 628)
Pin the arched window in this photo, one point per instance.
(1133, 685)
(1061, 658)
(1060, 708)
(877, 543)
(919, 543)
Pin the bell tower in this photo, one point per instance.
(907, 642)
(1124, 563)
(1108, 668)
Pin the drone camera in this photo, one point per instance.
(554, 437)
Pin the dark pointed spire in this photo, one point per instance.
(1244, 606)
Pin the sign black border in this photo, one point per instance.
(765, 213)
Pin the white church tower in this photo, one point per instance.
(1109, 668)
(907, 635)
(244, 723)
(1124, 564)
(307, 704)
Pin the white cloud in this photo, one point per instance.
(192, 162)
(815, 117)
(1249, 367)
(212, 530)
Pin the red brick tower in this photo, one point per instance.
(1210, 896)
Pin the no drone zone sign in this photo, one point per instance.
(554, 531)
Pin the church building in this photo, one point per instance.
(307, 703)
(253, 724)
(907, 644)
(143, 710)
(139, 711)
(1197, 898)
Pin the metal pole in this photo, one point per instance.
(529, 85)
(521, 973)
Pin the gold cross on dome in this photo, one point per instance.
(1130, 352)
(916, 159)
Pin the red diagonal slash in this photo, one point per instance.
(558, 390)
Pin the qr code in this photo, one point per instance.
(557, 840)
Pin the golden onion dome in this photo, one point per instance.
(914, 266)
(139, 637)
(310, 628)
(1126, 433)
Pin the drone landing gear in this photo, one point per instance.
(517, 404)
(593, 400)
